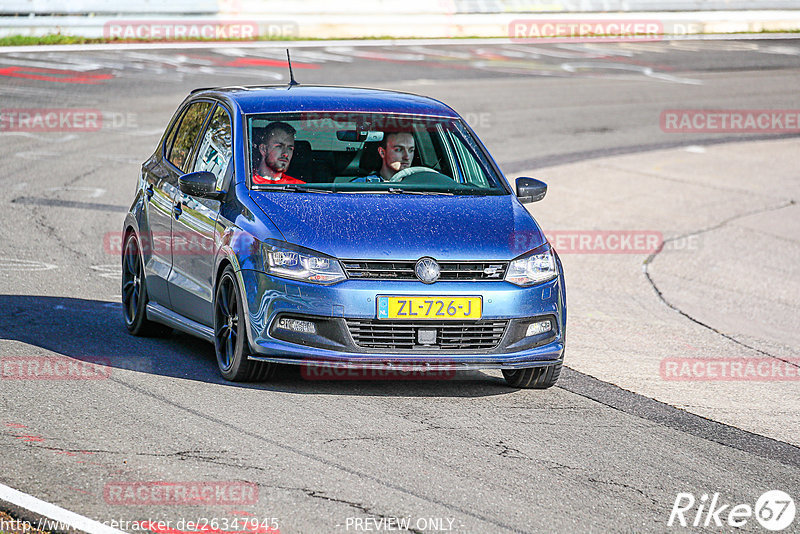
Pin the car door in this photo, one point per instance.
(174, 163)
(160, 185)
(194, 226)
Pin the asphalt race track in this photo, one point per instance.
(608, 450)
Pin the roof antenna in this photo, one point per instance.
(292, 81)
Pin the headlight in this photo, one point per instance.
(532, 268)
(301, 265)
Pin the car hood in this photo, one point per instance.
(403, 227)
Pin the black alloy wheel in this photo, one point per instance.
(134, 292)
(230, 336)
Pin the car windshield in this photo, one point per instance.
(367, 153)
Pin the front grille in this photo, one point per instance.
(454, 335)
(404, 270)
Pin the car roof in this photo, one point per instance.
(283, 98)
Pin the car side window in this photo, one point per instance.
(189, 129)
(170, 138)
(473, 174)
(214, 153)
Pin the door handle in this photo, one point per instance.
(149, 191)
(177, 210)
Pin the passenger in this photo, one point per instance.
(276, 146)
(396, 151)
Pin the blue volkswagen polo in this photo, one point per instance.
(340, 227)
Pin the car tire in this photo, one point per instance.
(134, 292)
(533, 377)
(230, 337)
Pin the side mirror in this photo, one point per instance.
(530, 189)
(202, 184)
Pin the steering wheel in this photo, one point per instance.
(399, 176)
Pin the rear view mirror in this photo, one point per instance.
(358, 136)
(202, 184)
(530, 189)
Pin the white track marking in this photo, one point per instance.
(37, 154)
(647, 71)
(62, 64)
(127, 61)
(689, 46)
(381, 55)
(27, 91)
(124, 159)
(232, 52)
(176, 61)
(56, 513)
(592, 48)
(145, 133)
(454, 54)
(670, 78)
(510, 53)
(652, 47)
(96, 192)
(549, 52)
(109, 270)
(14, 264)
(786, 50)
(59, 139)
(300, 55)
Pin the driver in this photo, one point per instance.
(276, 146)
(396, 151)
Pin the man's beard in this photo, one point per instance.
(277, 166)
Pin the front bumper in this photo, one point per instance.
(268, 298)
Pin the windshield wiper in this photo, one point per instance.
(400, 191)
(300, 188)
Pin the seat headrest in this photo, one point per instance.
(301, 166)
(370, 160)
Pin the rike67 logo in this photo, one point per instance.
(774, 510)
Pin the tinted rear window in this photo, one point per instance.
(188, 131)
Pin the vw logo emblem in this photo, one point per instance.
(427, 270)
